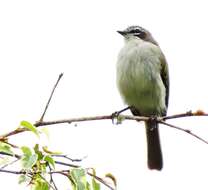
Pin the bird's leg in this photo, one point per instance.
(116, 114)
(153, 119)
(123, 110)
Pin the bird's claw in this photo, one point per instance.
(114, 117)
(153, 119)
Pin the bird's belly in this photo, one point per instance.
(142, 88)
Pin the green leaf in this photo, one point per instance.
(77, 174)
(5, 148)
(4, 161)
(88, 186)
(45, 131)
(72, 182)
(50, 160)
(26, 150)
(95, 184)
(46, 150)
(112, 177)
(30, 127)
(79, 177)
(40, 184)
(80, 185)
(38, 152)
(29, 161)
(24, 179)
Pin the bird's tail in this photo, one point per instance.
(154, 153)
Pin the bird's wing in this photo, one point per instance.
(165, 77)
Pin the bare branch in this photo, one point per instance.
(71, 120)
(100, 180)
(13, 172)
(51, 178)
(67, 164)
(103, 117)
(41, 119)
(66, 157)
(10, 163)
(11, 155)
(184, 130)
(91, 118)
(63, 172)
(186, 114)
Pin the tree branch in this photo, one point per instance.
(104, 117)
(184, 130)
(49, 100)
(66, 157)
(100, 180)
(51, 178)
(63, 172)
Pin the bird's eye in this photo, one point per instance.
(137, 31)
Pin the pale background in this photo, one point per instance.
(41, 39)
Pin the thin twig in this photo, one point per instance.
(11, 155)
(10, 163)
(57, 162)
(184, 130)
(63, 172)
(50, 185)
(51, 178)
(13, 172)
(100, 180)
(5, 140)
(186, 114)
(67, 164)
(66, 157)
(41, 119)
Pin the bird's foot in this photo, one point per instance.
(116, 116)
(153, 119)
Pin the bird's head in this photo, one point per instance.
(138, 32)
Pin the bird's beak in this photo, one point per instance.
(123, 33)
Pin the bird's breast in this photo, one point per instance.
(139, 80)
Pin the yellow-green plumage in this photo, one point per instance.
(138, 77)
(143, 82)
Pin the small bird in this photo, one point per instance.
(143, 82)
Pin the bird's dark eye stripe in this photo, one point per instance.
(135, 31)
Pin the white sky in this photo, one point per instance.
(41, 39)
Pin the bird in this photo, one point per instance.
(143, 82)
